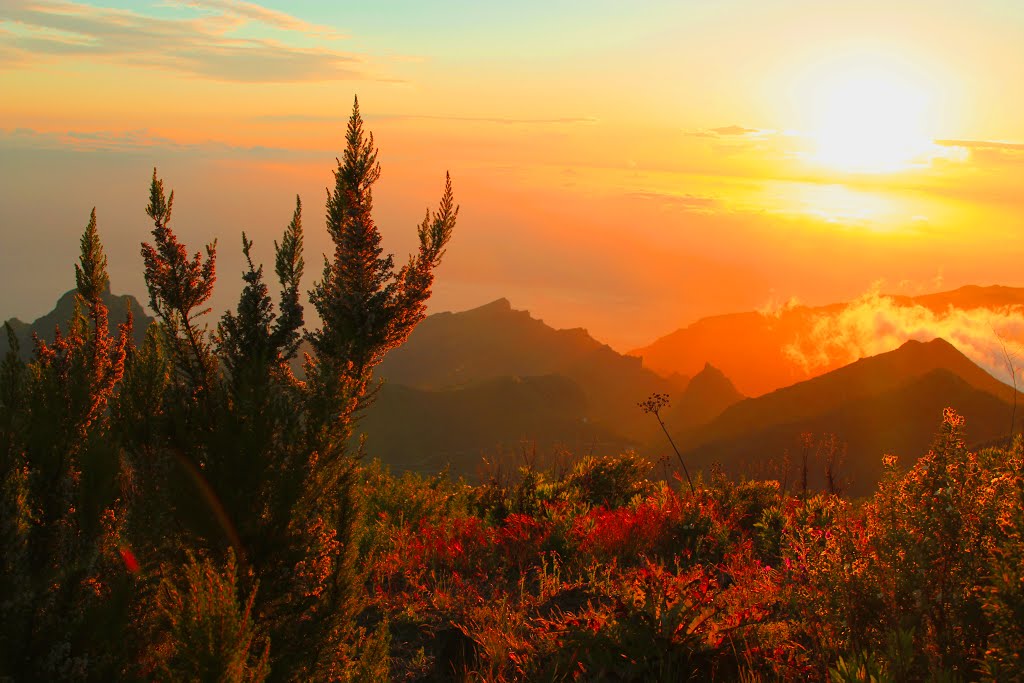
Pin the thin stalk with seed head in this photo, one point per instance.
(654, 404)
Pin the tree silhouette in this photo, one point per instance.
(178, 286)
(366, 306)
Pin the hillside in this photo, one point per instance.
(450, 350)
(425, 430)
(750, 347)
(883, 404)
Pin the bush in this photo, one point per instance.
(207, 629)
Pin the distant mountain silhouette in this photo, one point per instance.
(706, 396)
(971, 296)
(118, 306)
(450, 350)
(750, 347)
(426, 430)
(889, 403)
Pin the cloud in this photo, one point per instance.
(494, 119)
(205, 45)
(263, 15)
(688, 202)
(775, 307)
(727, 131)
(134, 141)
(314, 118)
(733, 130)
(983, 144)
(990, 151)
(876, 324)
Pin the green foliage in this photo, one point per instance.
(768, 536)
(366, 306)
(244, 340)
(933, 533)
(289, 267)
(91, 273)
(1004, 601)
(140, 406)
(611, 481)
(13, 375)
(862, 668)
(61, 481)
(207, 631)
(178, 287)
(374, 662)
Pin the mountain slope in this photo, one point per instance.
(449, 350)
(890, 403)
(426, 430)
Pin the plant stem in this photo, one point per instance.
(678, 454)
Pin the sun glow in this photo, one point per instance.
(870, 118)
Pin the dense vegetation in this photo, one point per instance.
(598, 573)
(185, 509)
(188, 509)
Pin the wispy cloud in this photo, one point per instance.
(687, 202)
(498, 120)
(205, 45)
(263, 15)
(727, 132)
(988, 151)
(734, 130)
(876, 324)
(774, 307)
(134, 141)
(983, 144)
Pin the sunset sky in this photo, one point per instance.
(625, 167)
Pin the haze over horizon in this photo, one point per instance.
(611, 175)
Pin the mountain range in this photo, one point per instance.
(891, 403)
(494, 382)
(753, 347)
(449, 351)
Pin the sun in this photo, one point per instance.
(869, 118)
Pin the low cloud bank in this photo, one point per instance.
(876, 324)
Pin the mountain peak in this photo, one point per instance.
(912, 359)
(496, 306)
(706, 395)
(888, 403)
(496, 340)
(937, 351)
(712, 381)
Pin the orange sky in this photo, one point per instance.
(618, 169)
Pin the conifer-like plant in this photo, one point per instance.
(178, 288)
(187, 509)
(61, 509)
(367, 307)
(268, 456)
